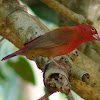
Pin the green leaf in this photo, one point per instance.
(23, 68)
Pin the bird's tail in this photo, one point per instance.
(19, 52)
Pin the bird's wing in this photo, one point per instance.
(53, 38)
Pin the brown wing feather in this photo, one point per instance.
(53, 38)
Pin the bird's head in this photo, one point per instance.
(89, 33)
(95, 34)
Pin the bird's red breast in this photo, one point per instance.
(58, 42)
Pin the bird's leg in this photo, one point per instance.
(4, 36)
(58, 65)
(55, 62)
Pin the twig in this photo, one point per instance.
(70, 96)
(77, 18)
(45, 96)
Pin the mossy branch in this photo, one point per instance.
(25, 30)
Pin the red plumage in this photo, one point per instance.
(58, 42)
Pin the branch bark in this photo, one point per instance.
(90, 90)
(23, 27)
(64, 11)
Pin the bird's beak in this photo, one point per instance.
(96, 36)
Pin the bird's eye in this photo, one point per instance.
(93, 30)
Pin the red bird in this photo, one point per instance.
(58, 42)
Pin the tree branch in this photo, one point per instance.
(70, 96)
(23, 26)
(64, 11)
(89, 91)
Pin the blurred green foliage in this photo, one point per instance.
(44, 12)
(23, 68)
(41, 10)
(10, 70)
(12, 90)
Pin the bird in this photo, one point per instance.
(57, 42)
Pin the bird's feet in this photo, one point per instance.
(59, 64)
